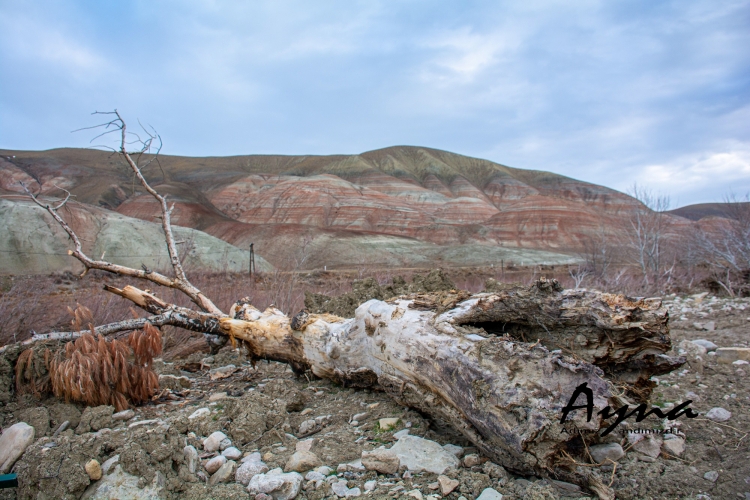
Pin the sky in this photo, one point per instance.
(609, 92)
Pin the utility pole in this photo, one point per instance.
(252, 259)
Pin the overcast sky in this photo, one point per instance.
(608, 92)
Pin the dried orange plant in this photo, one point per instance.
(93, 370)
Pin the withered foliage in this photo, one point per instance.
(93, 370)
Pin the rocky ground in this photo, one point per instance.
(223, 428)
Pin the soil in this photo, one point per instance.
(265, 404)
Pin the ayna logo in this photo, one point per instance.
(622, 412)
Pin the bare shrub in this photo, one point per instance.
(93, 370)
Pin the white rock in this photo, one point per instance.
(213, 442)
(383, 461)
(123, 486)
(325, 470)
(223, 474)
(249, 468)
(191, 458)
(305, 444)
(711, 475)
(490, 494)
(201, 412)
(123, 415)
(674, 446)
(278, 484)
(718, 414)
(153, 421)
(302, 461)
(232, 453)
(109, 463)
(215, 464)
(419, 454)
(447, 485)
(602, 453)
(371, 485)
(649, 446)
(13, 444)
(314, 476)
(401, 433)
(453, 449)
(706, 344)
(387, 424)
(342, 491)
(740, 362)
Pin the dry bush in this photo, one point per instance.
(93, 370)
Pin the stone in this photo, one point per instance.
(95, 418)
(674, 447)
(93, 469)
(279, 485)
(706, 344)
(232, 453)
(200, 412)
(325, 470)
(314, 476)
(305, 445)
(383, 461)
(109, 463)
(123, 415)
(217, 396)
(225, 443)
(222, 372)
(649, 445)
(13, 443)
(387, 424)
(567, 488)
(174, 383)
(729, 354)
(213, 442)
(38, 418)
(191, 458)
(447, 485)
(472, 460)
(711, 475)
(140, 423)
(353, 466)
(371, 485)
(415, 494)
(341, 490)
(401, 433)
(302, 461)
(494, 470)
(603, 453)
(718, 414)
(453, 449)
(419, 454)
(123, 486)
(215, 464)
(490, 494)
(250, 468)
(223, 474)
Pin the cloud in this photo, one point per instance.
(605, 92)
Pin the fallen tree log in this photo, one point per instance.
(498, 367)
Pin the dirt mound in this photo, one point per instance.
(368, 289)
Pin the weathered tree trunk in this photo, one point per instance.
(499, 367)
(502, 393)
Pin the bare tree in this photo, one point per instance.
(725, 246)
(424, 350)
(646, 233)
